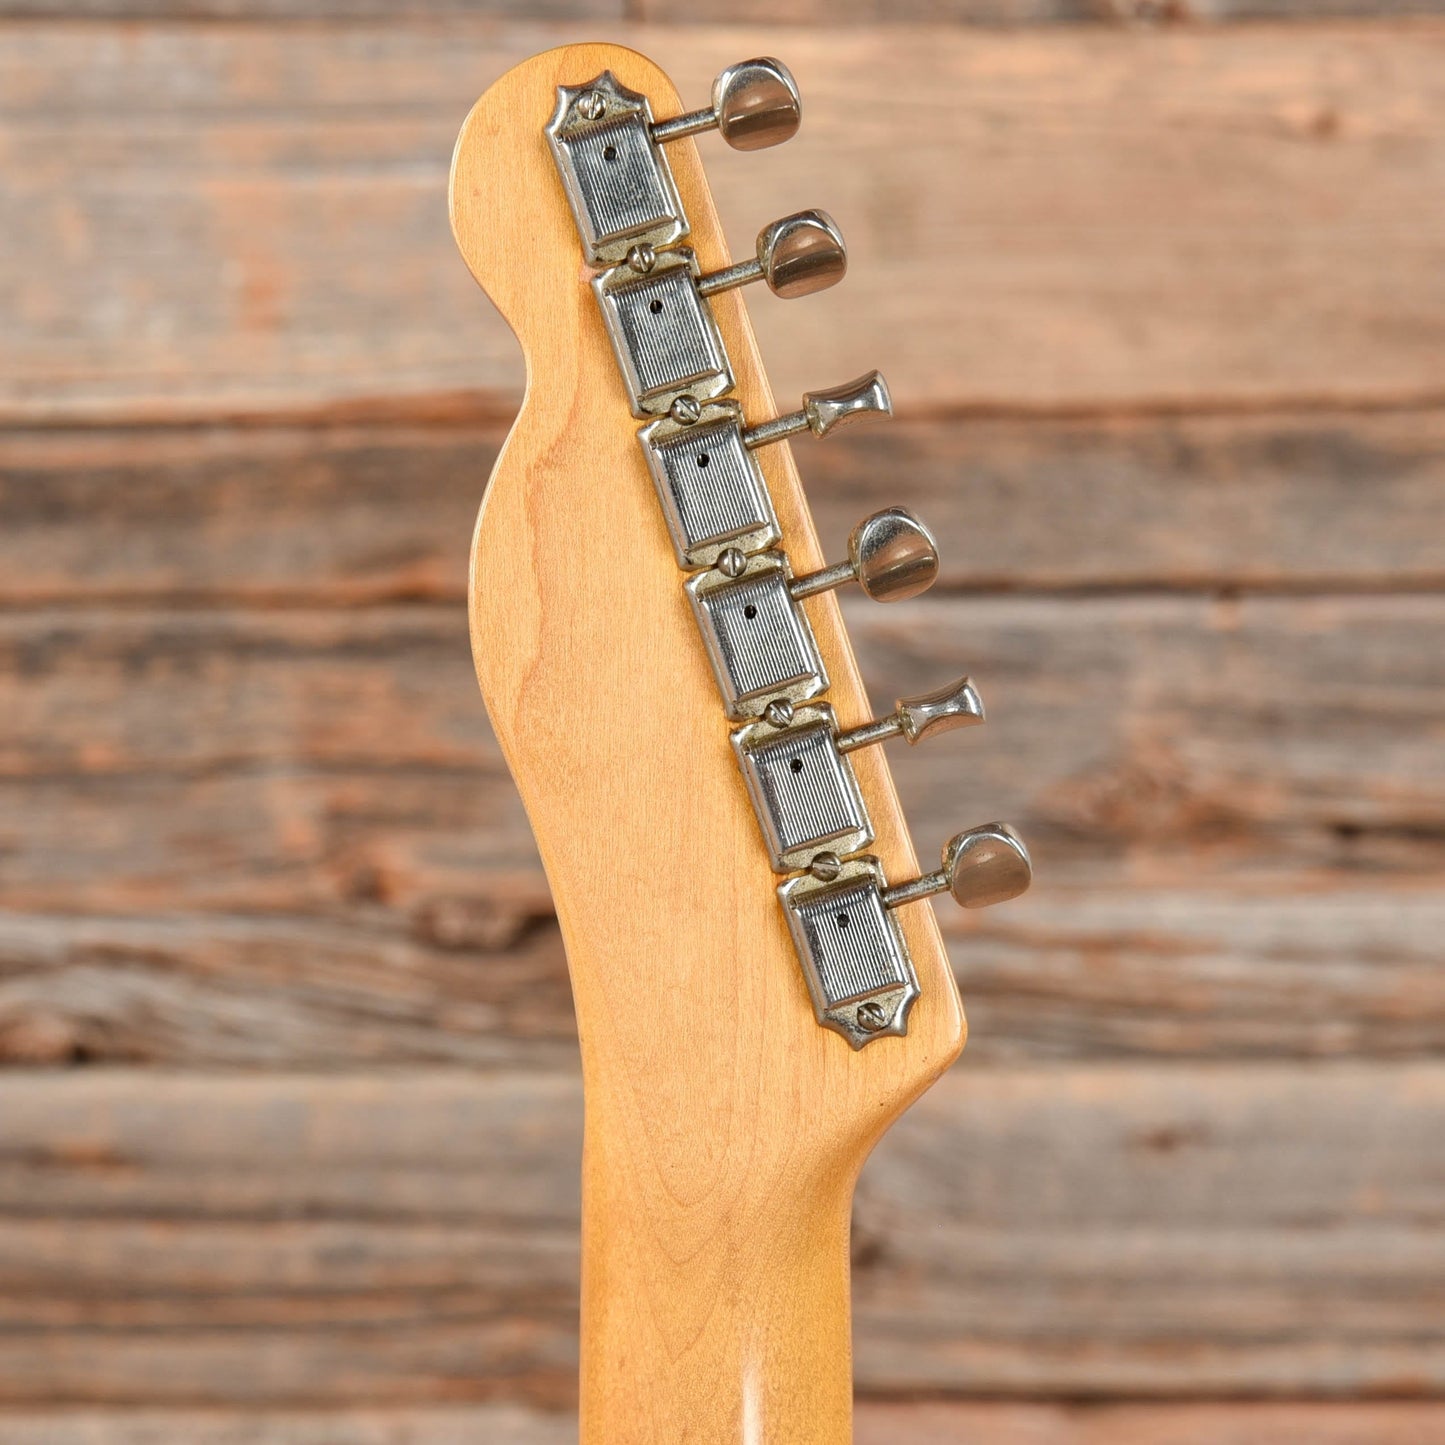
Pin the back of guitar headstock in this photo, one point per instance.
(668, 676)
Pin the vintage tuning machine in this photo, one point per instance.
(609, 153)
(662, 331)
(758, 639)
(841, 914)
(892, 556)
(795, 762)
(712, 491)
(755, 104)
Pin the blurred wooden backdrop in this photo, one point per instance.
(288, 1112)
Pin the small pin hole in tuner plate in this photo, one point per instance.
(842, 920)
(703, 459)
(655, 306)
(750, 612)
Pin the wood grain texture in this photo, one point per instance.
(724, 1127)
(345, 513)
(480, 979)
(393, 1240)
(878, 1424)
(216, 225)
(1153, 740)
(336, 886)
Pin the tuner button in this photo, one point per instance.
(823, 411)
(836, 405)
(891, 555)
(983, 866)
(987, 865)
(801, 254)
(894, 555)
(757, 105)
(956, 706)
(796, 256)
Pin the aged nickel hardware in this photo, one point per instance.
(802, 787)
(854, 959)
(957, 705)
(618, 183)
(712, 493)
(982, 867)
(607, 148)
(801, 782)
(823, 411)
(891, 555)
(793, 755)
(760, 644)
(755, 104)
(796, 256)
(841, 916)
(662, 331)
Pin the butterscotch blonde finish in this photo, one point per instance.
(724, 1127)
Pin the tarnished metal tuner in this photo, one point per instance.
(759, 641)
(825, 411)
(956, 706)
(853, 952)
(755, 104)
(801, 781)
(796, 256)
(981, 867)
(891, 555)
(710, 486)
(616, 180)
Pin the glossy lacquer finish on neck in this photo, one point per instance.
(724, 1128)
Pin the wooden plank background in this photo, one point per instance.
(288, 1103)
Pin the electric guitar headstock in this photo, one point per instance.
(759, 992)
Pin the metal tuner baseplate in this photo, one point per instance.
(711, 489)
(759, 641)
(854, 958)
(803, 788)
(616, 177)
(662, 330)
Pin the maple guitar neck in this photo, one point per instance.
(724, 1126)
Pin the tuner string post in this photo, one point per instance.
(869, 733)
(780, 428)
(695, 122)
(826, 579)
(915, 889)
(730, 277)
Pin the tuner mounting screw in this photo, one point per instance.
(592, 106)
(642, 258)
(825, 867)
(779, 712)
(731, 562)
(685, 410)
(871, 1016)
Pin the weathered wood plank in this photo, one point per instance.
(1175, 736)
(877, 1423)
(1218, 871)
(481, 980)
(348, 513)
(202, 219)
(360, 1240)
